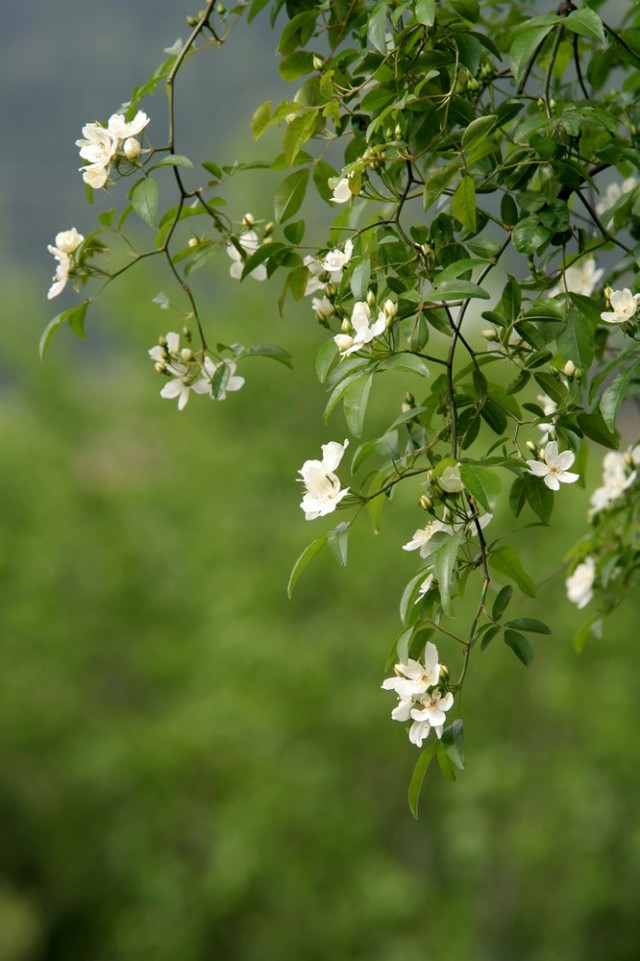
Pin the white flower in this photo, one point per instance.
(98, 145)
(67, 242)
(430, 713)
(95, 175)
(580, 278)
(336, 260)
(413, 678)
(624, 305)
(161, 300)
(425, 587)
(616, 479)
(364, 332)
(548, 407)
(341, 192)
(60, 277)
(613, 194)
(450, 480)
(422, 538)
(323, 307)
(182, 367)
(175, 48)
(323, 491)
(122, 130)
(232, 382)
(579, 585)
(554, 468)
(250, 243)
(314, 283)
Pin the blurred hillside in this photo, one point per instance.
(193, 767)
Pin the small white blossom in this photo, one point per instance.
(414, 678)
(623, 306)
(364, 331)
(323, 492)
(98, 145)
(341, 192)
(430, 713)
(548, 407)
(613, 194)
(232, 383)
(185, 374)
(122, 130)
(66, 244)
(314, 284)
(579, 585)
(554, 469)
(421, 539)
(336, 260)
(450, 480)
(323, 307)
(616, 479)
(250, 243)
(95, 175)
(579, 278)
(161, 300)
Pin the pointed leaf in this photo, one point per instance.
(483, 483)
(463, 203)
(417, 778)
(144, 199)
(290, 194)
(539, 497)
(612, 397)
(453, 743)
(531, 624)
(444, 565)
(587, 23)
(304, 559)
(355, 402)
(506, 561)
(519, 645)
(501, 602)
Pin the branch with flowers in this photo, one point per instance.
(482, 168)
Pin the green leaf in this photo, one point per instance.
(587, 23)
(417, 778)
(478, 130)
(575, 341)
(438, 181)
(271, 351)
(407, 362)
(355, 402)
(539, 497)
(304, 559)
(582, 635)
(519, 645)
(445, 763)
(144, 199)
(501, 602)
(290, 194)
(173, 160)
(457, 290)
(295, 232)
(530, 624)
(297, 133)
(325, 359)
(322, 173)
(453, 743)
(529, 235)
(517, 496)
(377, 28)
(463, 203)
(525, 44)
(261, 119)
(444, 561)
(360, 279)
(612, 397)
(296, 65)
(506, 561)
(264, 252)
(74, 317)
(483, 483)
(425, 12)
(338, 540)
(594, 426)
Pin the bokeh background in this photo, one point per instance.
(192, 767)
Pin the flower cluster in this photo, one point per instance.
(323, 492)
(624, 304)
(101, 144)
(619, 472)
(249, 242)
(189, 372)
(553, 467)
(421, 698)
(67, 242)
(323, 276)
(614, 193)
(363, 329)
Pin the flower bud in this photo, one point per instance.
(409, 399)
(160, 367)
(531, 446)
(318, 62)
(345, 326)
(425, 502)
(553, 370)
(221, 9)
(371, 298)
(397, 133)
(390, 308)
(569, 369)
(186, 354)
(248, 221)
(191, 20)
(193, 242)
(269, 228)
(330, 290)
(131, 148)
(489, 334)
(444, 673)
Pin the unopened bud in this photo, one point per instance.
(248, 220)
(131, 148)
(330, 290)
(569, 369)
(191, 20)
(269, 228)
(531, 446)
(186, 333)
(425, 502)
(221, 9)
(345, 326)
(444, 672)
(186, 354)
(553, 370)
(160, 367)
(371, 298)
(390, 308)
(193, 242)
(607, 292)
(318, 62)
(397, 133)
(409, 399)
(489, 334)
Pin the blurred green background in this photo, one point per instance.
(193, 767)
